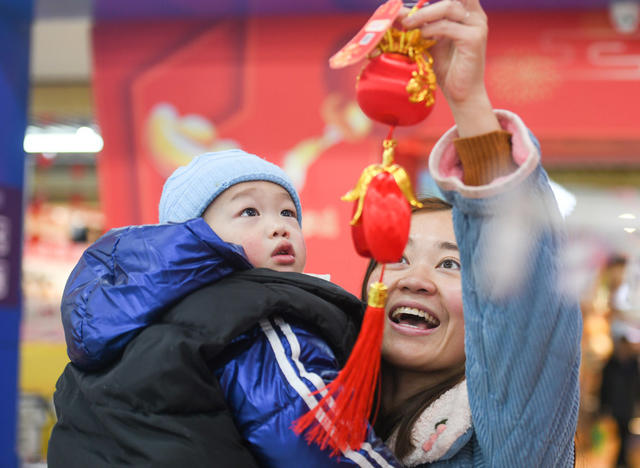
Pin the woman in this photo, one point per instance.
(460, 61)
(481, 349)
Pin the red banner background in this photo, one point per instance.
(166, 91)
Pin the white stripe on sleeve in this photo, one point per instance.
(301, 388)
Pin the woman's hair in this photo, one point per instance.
(405, 416)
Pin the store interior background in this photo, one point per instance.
(79, 58)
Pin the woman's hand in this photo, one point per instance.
(460, 28)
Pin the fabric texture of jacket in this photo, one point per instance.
(214, 379)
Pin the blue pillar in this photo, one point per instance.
(15, 25)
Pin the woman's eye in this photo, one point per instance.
(249, 212)
(288, 213)
(402, 261)
(449, 264)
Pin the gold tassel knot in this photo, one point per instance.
(399, 174)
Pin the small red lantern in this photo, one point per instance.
(383, 200)
(382, 214)
(397, 86)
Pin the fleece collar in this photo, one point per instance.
(441, 430)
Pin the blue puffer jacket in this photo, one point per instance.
(128, 276)
(284, 336)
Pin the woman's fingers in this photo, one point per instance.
(404, 11)
(451, 10)
(474, 6)
(453, 30)
(462, 22)
(460, 29)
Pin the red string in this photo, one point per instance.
(391, 129)
(378, 401)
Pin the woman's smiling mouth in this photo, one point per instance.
(413, 321)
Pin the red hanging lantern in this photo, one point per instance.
(395, 88)
(382, 217)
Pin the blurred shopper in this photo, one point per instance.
(620, 391)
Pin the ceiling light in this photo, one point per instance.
(62, 140)
(627, 216)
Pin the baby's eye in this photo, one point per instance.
(249, 212)
(450, 264)
(288, 213)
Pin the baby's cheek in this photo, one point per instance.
(255, 253)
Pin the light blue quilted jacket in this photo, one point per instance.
(522, 330)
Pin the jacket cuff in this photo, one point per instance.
(445, 165)
(485, 157)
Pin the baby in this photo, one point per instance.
(198, 340)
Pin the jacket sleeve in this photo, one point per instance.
(129, 275)
(271, 383)
(158, 406)
(522, 328)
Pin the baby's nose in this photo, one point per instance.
(280, 230)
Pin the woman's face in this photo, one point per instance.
(424, 327)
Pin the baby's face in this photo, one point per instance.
(261, 217)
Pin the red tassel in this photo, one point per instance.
(339, 421)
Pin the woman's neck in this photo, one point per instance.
(399, 385)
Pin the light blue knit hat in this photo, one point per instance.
(191, 188)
